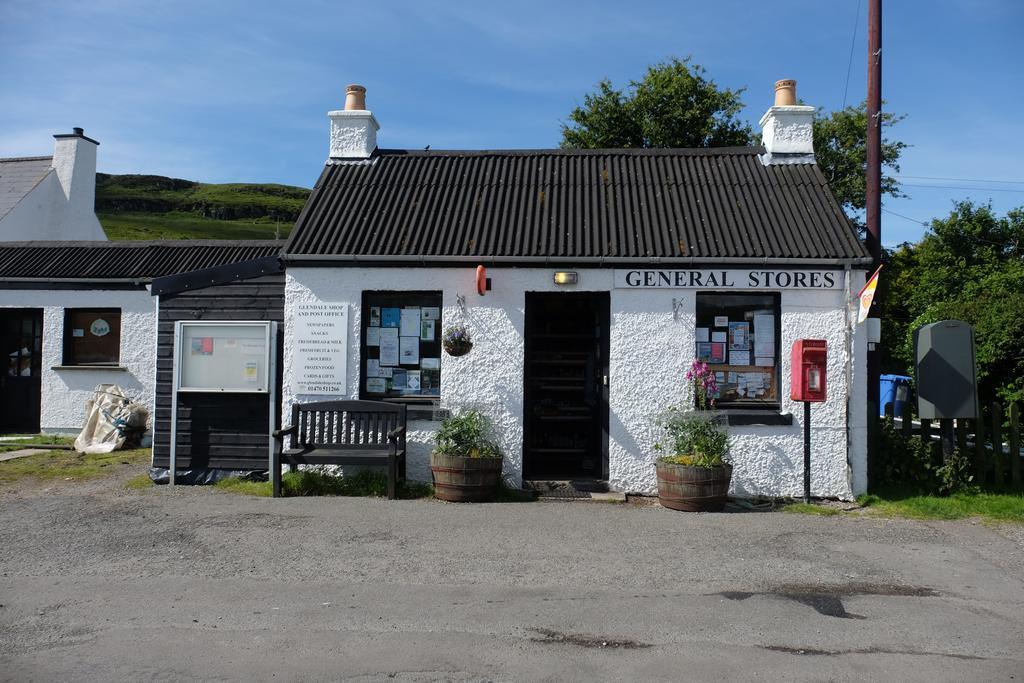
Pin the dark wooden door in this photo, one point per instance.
(21, 343)
(566, 386)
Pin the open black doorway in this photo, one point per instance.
(565, 402)
(21, 341)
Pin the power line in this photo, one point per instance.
(963, 180)
(853, 42)
(912, 220)
(967, 187)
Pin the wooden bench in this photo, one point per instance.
(343, 433)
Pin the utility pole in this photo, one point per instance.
(874, 191)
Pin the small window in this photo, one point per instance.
(92, 336)
(401, 346)
(738, 337)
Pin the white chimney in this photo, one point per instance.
(787, 129)
(353, 129)
(74, 161)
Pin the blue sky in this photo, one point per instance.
(226, 91)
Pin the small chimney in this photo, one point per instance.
(787, 128)
(354, 128)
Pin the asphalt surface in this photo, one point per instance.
(99, 583)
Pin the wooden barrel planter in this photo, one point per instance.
(459, 479)
(693, 489)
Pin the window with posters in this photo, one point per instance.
(738, 337)
(92, 336)
(401, 346)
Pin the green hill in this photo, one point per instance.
(132, 207)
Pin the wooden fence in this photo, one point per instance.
(993, 440)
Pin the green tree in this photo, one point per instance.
(673, 105)
(840, 148)
(969, 266)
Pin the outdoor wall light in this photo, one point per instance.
(566, 277)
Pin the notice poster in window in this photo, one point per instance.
(739, 337)
(374, 316)
(764, 335)
(389, 345)
(372, 367)
(386, 372)
(717, 352)
(703, 334)
(202, 346)
(704, 351)
(721, 321)
(409, 322)
(409, 350)
(430, 379)
(412, 381)
(398, 379)
(764, 362)
(430, 313)
(426, 330)
(376, 385)
(390, 317)
(373, 336)
(252, 372)
(720, 336)
(739, 357)
(430, 363)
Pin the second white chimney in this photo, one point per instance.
(354, 128)
(787, 128)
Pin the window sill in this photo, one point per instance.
(745, 417)
(113, 368)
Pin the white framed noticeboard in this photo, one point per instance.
(224, 356)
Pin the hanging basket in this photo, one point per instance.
(458, 348)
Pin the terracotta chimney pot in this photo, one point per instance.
(785, 93)
(355, 98)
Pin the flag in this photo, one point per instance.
(867, 296)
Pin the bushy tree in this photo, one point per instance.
(673, 105)
(969, 266)
(840, 148)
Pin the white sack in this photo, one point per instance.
(110, 415)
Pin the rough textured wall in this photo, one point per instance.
(64, 392)
(650, 349)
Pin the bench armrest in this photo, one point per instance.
(395, 433)
(282, 432)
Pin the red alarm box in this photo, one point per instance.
(809, 368)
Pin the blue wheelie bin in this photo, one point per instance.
(894, 389)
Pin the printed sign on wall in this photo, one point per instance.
(319, 355)
(754, 278)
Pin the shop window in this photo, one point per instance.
(738, 337)
(92, 336)
(401, 346)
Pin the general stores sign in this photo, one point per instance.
(754, 278)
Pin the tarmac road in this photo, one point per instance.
(102, 584)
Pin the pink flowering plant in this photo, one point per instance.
(694, 437)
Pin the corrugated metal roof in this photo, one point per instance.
(18, 176)
(602, 204)
(141, 260)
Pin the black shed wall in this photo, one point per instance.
(221, 431)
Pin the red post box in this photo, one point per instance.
(808, 366)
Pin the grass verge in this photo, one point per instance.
(1003, 507)
(811, 509)
(308, 483)
(54, 465)
(34, 439)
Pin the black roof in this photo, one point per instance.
(572, 205)
(129, 260)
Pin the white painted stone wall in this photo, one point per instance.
(650, 350)
(64, 392)
(62, 205)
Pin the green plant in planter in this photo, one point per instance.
(466, 464)
(692, 438)
(467, 434)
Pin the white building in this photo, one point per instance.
(610, 271)
(74, 315)
(51, 198)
